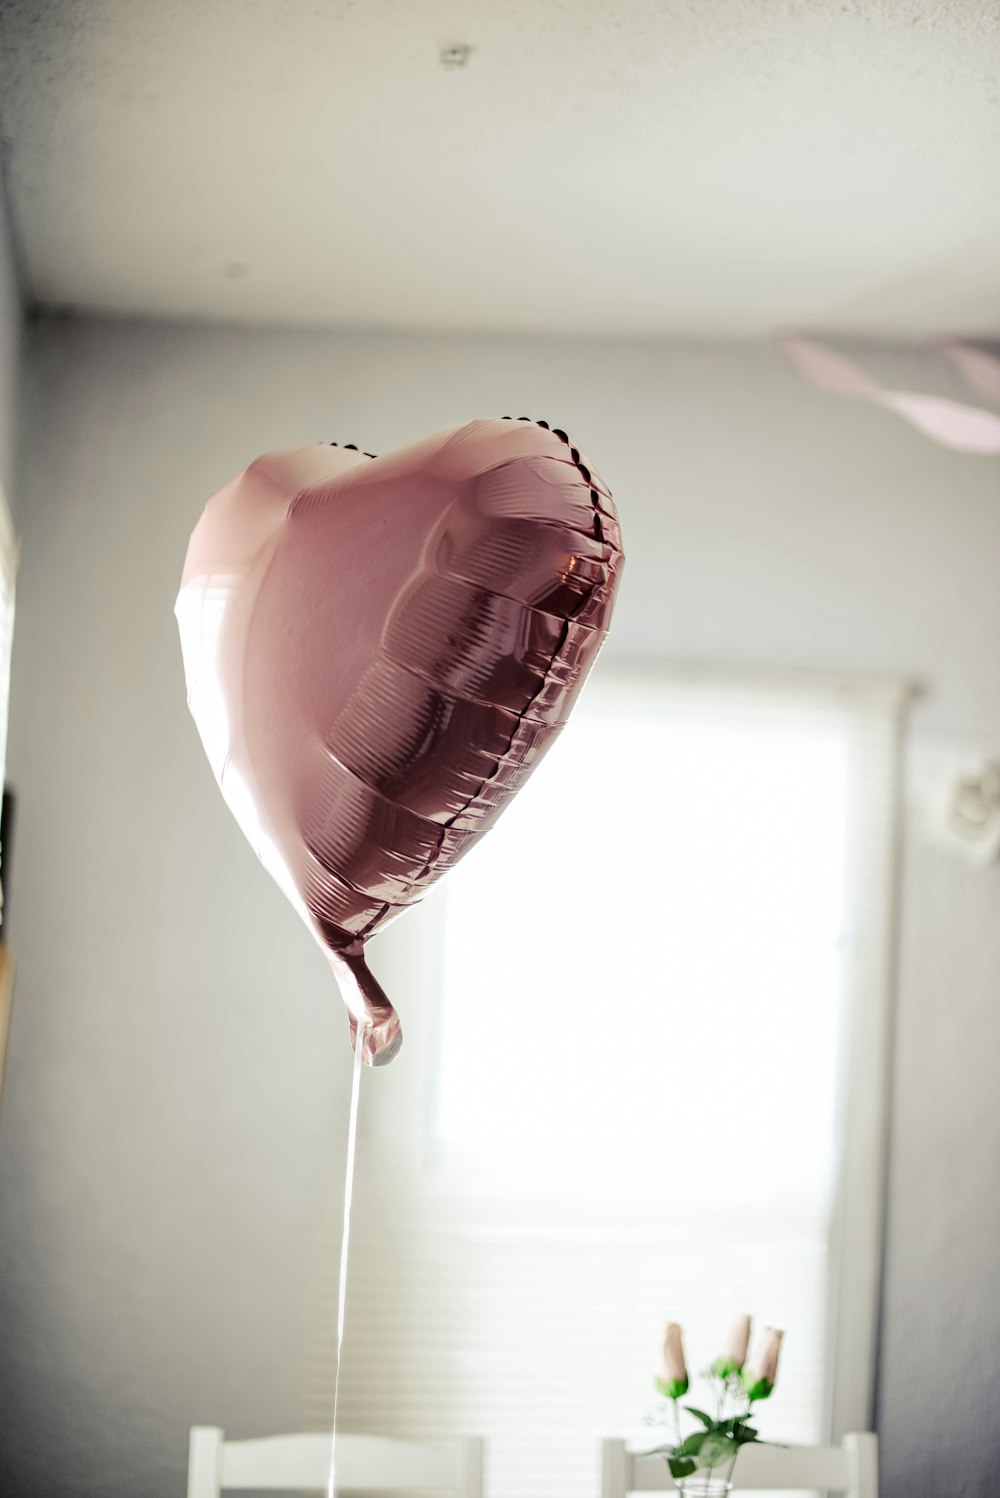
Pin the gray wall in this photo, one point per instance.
(940, 1353)
(10, 350)
(177, 1062)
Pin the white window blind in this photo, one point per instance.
(628, 1092)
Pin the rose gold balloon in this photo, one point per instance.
(378, 652)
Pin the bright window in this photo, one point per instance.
(646, 956)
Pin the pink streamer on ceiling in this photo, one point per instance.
(966, 428)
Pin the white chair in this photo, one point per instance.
(851, 1469)
(364, 1464)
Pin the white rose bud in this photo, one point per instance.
(760, 1380)
(673, 1376)
(734, 1352)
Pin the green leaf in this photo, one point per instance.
(692, 1444)
(744, 1434)
(716, 1448)
(681, 1466)
(734, 1423)
(706, 1420)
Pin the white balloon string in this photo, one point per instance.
(352, 1143)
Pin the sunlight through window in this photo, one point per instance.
(647, 953)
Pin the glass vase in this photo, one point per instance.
(700, 1486)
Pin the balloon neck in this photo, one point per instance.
(374, 1023)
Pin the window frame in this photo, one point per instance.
(411, 960)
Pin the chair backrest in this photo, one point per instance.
(364, 1464)
(851, 1469)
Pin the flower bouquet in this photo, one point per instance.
(702, 1461)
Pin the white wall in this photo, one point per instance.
(178, 1064)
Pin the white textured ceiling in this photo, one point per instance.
(705, 167)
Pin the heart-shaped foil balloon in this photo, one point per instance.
(378, 652)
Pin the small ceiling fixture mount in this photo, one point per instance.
(455, 56)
